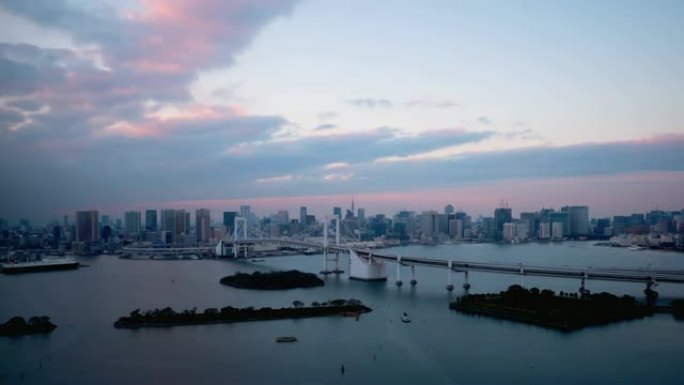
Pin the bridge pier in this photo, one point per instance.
(520, 276)
(651, 294)
(413, 275)
(337, 264)
(466, 285)
(399, 282)
(450, 285)
(583, 290)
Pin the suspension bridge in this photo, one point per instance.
(370, 265)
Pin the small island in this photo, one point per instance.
(566, 312)
(169, 317)
(678, 309)
(17, 326)
(277, 280)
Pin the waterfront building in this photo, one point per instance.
(168, 220)
(151, 220)
(429, 224)
(557, 231)
(502, 215)
(562, 217)
(508, 231)
(132, 223)
(579, 220)
(87, 226)
(203, 225)
(544, 230)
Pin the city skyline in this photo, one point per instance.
(142, 104)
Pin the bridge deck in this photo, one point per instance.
(610, 274)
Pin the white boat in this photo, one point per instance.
(635, 247)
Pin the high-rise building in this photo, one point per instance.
(132, 223)
(502, 215)
(151, 220)
(105, 221)
(361, 214)
(579, 220)
(203, 225)
(246, 211)
(283, 217)
(302, 216)
(562, 217)
(545, 230)
(337, 212)
(448, 209)
(229, 221)
(168, 220)
(557, 231)
(87, 226)
(181, 227)
(429, 224)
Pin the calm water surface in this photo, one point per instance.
(439, 347)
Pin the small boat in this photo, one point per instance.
(405, 318)
(257, 260)
(636, 247)
(286, 339)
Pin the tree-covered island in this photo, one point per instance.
(277, 280)
(169, 317)
(565, 312)
(17, 326)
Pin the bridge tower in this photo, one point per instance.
(239, 232)
(326, 243)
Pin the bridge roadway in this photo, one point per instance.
(609, 274)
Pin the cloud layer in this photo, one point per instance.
(111, 121)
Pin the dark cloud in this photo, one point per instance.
(371, 103)
(304, 155)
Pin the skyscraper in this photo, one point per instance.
(151, 220)
(579, 220)
(229, 220)
(337, 212)
(502, 215)
(168, 220)
(132, 223)
(448, 209)
(302, 216)
(203, 225)
(87, 226)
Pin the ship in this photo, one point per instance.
(286, 339)
(42, 265)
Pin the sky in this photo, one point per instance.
(136, 104)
